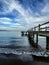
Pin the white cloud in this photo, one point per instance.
(15, 25)
(46, 9)
(5, 20)
(42, 19)
(26, 14)
(15, 5)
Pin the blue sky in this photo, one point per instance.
(23, 14)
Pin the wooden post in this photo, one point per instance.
(25, 33)
(45, 28)
(39, 27)
(34, 28)
(22, 33)
(37, 40)
(33, 37)
(47, 43)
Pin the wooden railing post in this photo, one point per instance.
(45, 28)
(47, 43)
(39, 28)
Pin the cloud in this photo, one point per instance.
(15, 5)
(45, 10)
(9, 24)
(5, 20)
(42, 19)
(28, 17)
(15, 25)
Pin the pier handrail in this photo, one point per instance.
(43, 24)
(41, 28)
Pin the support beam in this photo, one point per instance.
(33, 36)
(36, 40)
(31, 39)
(47, 43)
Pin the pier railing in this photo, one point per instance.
(41, 27)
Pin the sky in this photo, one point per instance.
(23, 14)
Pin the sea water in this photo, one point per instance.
(13, 38)
(12, 41)
(41, 41)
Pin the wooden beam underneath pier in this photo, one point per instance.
(47, 43)
(36, 40)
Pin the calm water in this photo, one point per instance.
(14, 38)
(41, 41)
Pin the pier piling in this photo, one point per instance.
(36, 40)
(47, 43)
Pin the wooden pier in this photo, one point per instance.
(40, 30)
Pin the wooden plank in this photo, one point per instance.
(45, 35)
(45, 23)
(35, 32)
